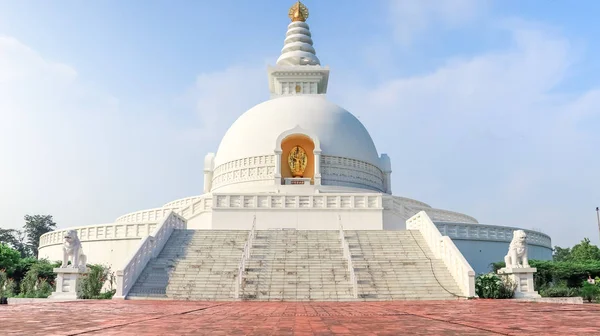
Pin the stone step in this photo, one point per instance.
(294, 265)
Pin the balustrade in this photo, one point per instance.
(348, 256)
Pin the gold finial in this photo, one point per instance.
(298, 12)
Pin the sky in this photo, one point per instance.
(489, 108)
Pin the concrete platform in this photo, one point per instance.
(472, 317)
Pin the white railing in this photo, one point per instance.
(155, 214)
(348, 256)
(149, 248)
(297, 202)
(192, 207)
(245, 256)
(443, 248)
(113, 231)
(440, 215)
(490, 233)
(199, 206)
(183, 201)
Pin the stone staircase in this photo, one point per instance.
(193, 265)
(396, 265)
(297, 265)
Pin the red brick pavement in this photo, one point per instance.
(474, 317)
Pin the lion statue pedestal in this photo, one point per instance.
(517, 266)
(68, 275)
(67, 281)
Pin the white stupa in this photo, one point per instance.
(295, 161)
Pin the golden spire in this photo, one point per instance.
(298, 12)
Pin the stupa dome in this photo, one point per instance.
(339, 132)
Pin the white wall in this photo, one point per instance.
(371, 219)
(393, 221)
(203, 221)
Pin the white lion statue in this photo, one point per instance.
(72, 249)
(517, 251)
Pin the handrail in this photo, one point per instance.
(348, 256)
(245, 256)
(149, 248)
(443, 248)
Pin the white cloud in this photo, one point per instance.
(410, 18)
(70, 150)
(219, 97)
(493, 136)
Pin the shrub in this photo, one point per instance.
(559, 291)
(38, 282)
(44, 288)
(11, 288)
(3, 281)
(589, 291)
(552, 272)
(491, 286)
(9, 258)
(91, 284)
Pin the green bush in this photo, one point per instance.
(3, 281)
(550, 273)
(491, 286)
(9, 258)
(11, 288)
(590, 292)
(38, 282)
(559, 291)
(91, 284)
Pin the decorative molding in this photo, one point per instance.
(254, 168)
(342, 171)
(298, 202)
(463, 231)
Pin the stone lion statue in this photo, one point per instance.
(517, 251)
(72, 250)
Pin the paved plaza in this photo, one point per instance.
(475, 317)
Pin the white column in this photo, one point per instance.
(317, 167)
(278, 167)
(388, 182)
(208, 175)
(209, 166)
(386, 169)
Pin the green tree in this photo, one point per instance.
(585, 251)
(35, 226)
(7, 236)
(9, 258)
(15, 239)
(561, 254)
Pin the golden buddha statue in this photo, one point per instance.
(297, 160)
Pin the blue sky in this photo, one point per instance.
(485, 107)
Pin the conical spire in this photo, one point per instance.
(298, 45)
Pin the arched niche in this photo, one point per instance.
(287, 144)
(309, 142)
